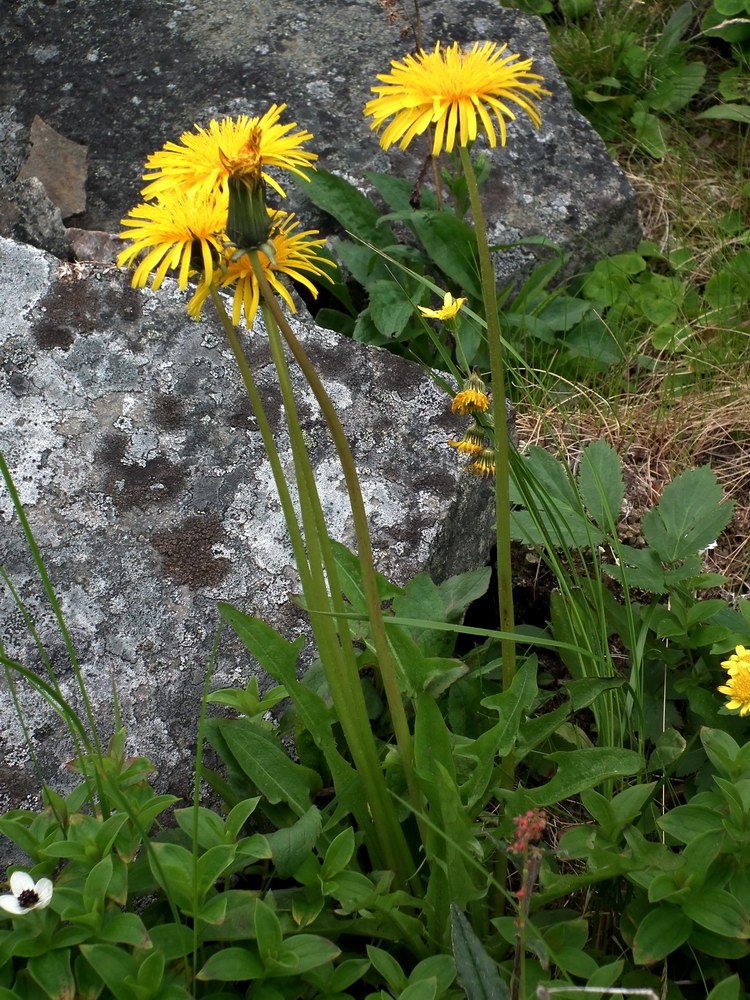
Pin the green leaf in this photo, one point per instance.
(384, 963)
(685, 823)
(391, 307)
(268, 931)
(727, 112)
(580, 769)
(677, 87)
(719, 912)
(727, 989)
(425, 989)
(650, 133)
(451, 244)
(232, 964)
(689, 516)
(301, 953)
(114, 966)
(53, 974)
(601, 484)
(277, 777)
(510, 706)
(290, 845)
(476, 973)
(339, 854)
(663, 929)
(347, 205)
(125, 928)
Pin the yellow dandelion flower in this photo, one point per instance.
(472, 443)
(472, 398)
(184, 233)
(737, 687)
(203, 159)
(451, 88)
(739, 660)
(294, 255)
(448, 311)
(484, 465)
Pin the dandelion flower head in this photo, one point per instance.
(457, 91)
(484, 464)
(294, 255)
(737, 687)
(182, 231)
(204, 158)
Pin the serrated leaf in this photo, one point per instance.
(601, 484)
(347, 205)
(689, 516)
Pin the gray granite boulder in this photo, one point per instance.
(123, 76)
(126, 429)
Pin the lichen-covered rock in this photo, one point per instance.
(124, 76)
(143, 476)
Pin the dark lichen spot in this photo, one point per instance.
(167, 411)
(186, 552)
(138, 485)
(71, 308)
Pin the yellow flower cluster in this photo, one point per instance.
(737, 686)
(188, 221)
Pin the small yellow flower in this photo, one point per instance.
(484, 465)
(472, 398)
(449, 310)
(293, 254)
(737, 687)
(472, 443)
(203, 159)
(180, 232)
(449, 88)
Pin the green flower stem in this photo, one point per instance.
(290, 516)
(298, 545)
(364, 545)
(337, 655)
(502, 477)
(502, 444)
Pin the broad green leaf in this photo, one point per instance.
(347, 205)
(722, 750)
(689, 516)
(339, 854)
(684, 823)
(677, 87)
(301, 953)
(53, 974)
(268, 766)
(727, 112)
(290, 845)
(425, 989)
(601, 484)
(719, 912)
(268, 933)
(663, 929)
(727, 989)
(391, 307)
(580, 769)
(232, 964)
(476, 973)
(115, 966)
(451, 244)
(125, 928)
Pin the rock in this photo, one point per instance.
(60, 165)
(129, 437)
(94, 247)
(132, 75)
(28, 215)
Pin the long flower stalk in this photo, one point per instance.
(386, 664)
(332, 634)
(502, 443)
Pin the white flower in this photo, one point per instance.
(26, 894)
